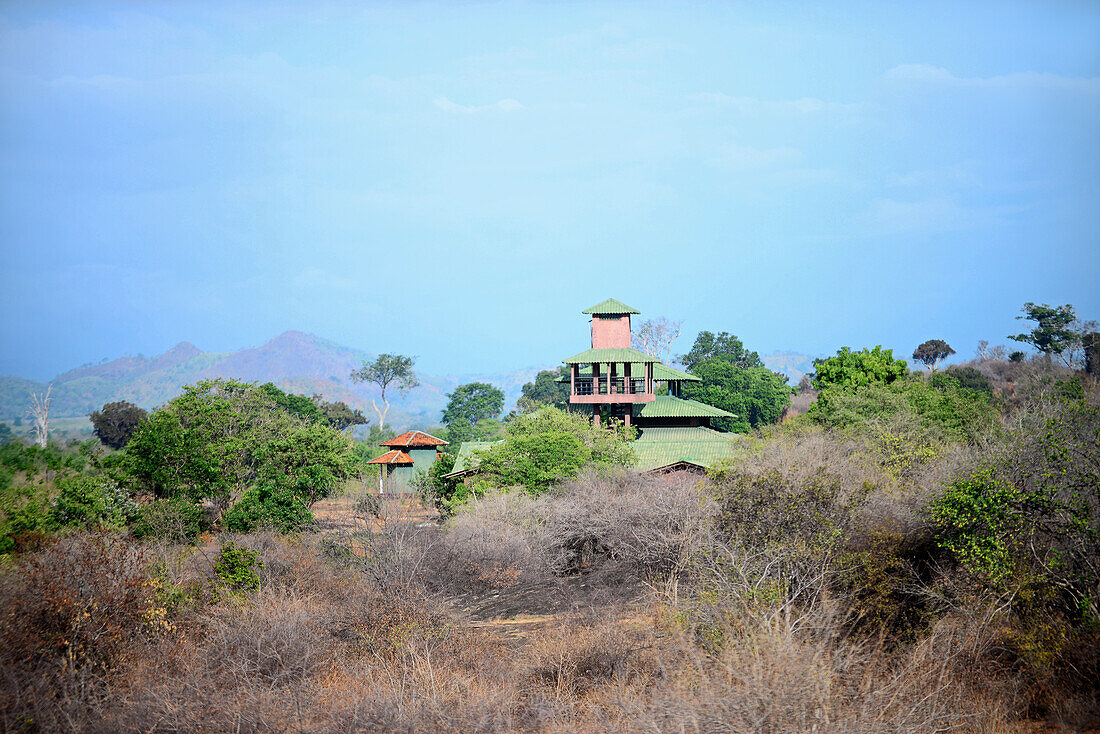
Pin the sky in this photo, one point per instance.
(457, 181)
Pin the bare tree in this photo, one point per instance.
(40, 413)
(656, 336)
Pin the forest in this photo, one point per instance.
(889, 550)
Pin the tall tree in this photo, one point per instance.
(384, 371)
(472, 403)
(756, 395)
(725, 347)
(1053, 333)
(655, 337)
(932, 352)
(114, 423)
(545, 390)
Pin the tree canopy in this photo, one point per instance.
(755, 395)
(1053, 333)
(932, 352)
(114, 423)
(223, 439)
(853, 369)
(542, 448)
(545, 390)
(724, 347)
(385, 370)
(472, 403)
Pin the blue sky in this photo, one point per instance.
(458, 180)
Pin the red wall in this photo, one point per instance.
(611, 333)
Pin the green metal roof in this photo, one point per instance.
(667, 406)
(465, 459)
(610, 307)
(624, 354)
(661, 373)
(661, 447)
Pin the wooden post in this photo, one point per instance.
(573, 379)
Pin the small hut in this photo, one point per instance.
(409, 453)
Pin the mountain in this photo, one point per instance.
(791, 364)
(295, 361)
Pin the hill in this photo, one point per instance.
(301, 363)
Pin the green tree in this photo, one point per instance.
(114, 423)
(542, 448)
(473, 403)
(1053, 333)
(932, 352)
(725, 347)
(755, 395)
(298, 405)
(385, 370)
(852, 369)
(339, 414)
(545, 390)
(222, 438)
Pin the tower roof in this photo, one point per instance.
(414, 439)
(610, 307)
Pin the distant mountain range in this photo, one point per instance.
(295, 361)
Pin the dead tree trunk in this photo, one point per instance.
(40, 413)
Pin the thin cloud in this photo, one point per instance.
(929, 74)
(747, 158)
(755, 106)
(504, 105)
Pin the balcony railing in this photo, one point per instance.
(619, 386)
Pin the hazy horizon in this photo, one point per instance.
(459, 181)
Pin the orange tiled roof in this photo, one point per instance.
(414, 439)
(392, 457)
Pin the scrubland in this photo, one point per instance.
(880, 568)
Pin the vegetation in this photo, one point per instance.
(470, 412)
(755, 395)
(114, 423)
(545, 390)
(916, 553)
(932, 352)
(724, 347)
(542, 448)
(387, 369)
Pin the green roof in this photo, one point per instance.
(661, 447)
(637, 369)
(610, 307)
(667, 406)
(624, 354)
(465, 459)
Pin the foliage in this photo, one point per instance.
(932, 352)
(473, 403)
(755, 395)
(385, 370)
(237, 566)
(269, 506)
(92, 502)
(28, 512)
(855, 369)
(939, 403)
(433, 486)
(116, 422)
(298, 405)
(724, 347)
(544, 447)
(222, 437)
(970, 378)
(178, 520)
(339, 414)
(1053, 332)
(545, 390)
(1035, 513)
(461, 431)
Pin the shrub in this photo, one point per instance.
(850, 369)
(269, 507)
(237, 566)
(178, 520)
(91, 502)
